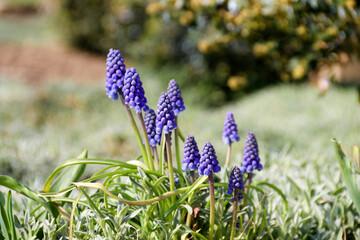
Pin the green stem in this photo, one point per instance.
(162, 154)
(227, 161)
(212, 205)
(189, 215)
(147, 143)
(247, 183)
(192, 177)
(156, 156)
(170, 164)
(180, 134)
(233, 227)
(136, 130)
(177, 148)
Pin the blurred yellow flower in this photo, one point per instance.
(154, 8)
(186, 18)
(299, 70)
(301, 30)
(261, 49)
(237, 82)
(203, 46)
(332, 31)
(350, 4)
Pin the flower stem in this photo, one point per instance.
(147, 143)
(192, 177)
(156, 156)
(212, 205)
(227, 161)
(162, 153)
(190, 216)
(235, 206)
(247, 183)
(177, 148)
(170, 164)
(136, 130)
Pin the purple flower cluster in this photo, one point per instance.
(208, 160)
(251, 159)
(236, 182)
(165, 119)
(230, 132)
(133, 91)
(115, 71)
(174, 94)
(191, 154)
(150, 118)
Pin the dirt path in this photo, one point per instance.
(36, 64)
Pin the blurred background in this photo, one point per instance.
(289, 71)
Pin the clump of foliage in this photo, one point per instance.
(232, 46)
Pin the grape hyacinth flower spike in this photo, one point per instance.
(133, 91)
(208, 165)
(150, 123)
(165, 122)
(115, 71)
(177, 103)
(235, 184)
(251, 159)
(230, 135)
(174, 94)
(134, 97)
(191, 157)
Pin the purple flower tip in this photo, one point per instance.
(236, 182)
(174, 94)
(191, 154)
(251, 159)
(230, 132)
(133, 91)
(208, 160)
(165, 119)
(115, 71)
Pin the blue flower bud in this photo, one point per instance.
(236, 182)
(191, 154)
(208, 160)
(230, 132)
(174, 94)
(115, 71)
(251, 159)
(165, 119)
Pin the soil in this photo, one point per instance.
(36, 64)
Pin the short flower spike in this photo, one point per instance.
(134, 93)
(115, 71)
(236, 182)
(165, 119)
(251, 159)
(230, 132)
(208, 160)
(176, 100)
(150, 118)
(191, 154)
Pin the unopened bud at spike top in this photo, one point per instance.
(251, 159)
(115, 71)
(230, 132)
(191, 154)
(165, 117)
(176, 100)
(133, 91)
(208, 160)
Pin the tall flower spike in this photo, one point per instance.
(115, 71)
(174, 94)
(133, 91)
(150, 118)
(208, 160)
(251, 159)
(230, 132)
(191, 154)
(236, 182)
(165, 119)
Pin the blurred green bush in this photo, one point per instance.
(228, 47)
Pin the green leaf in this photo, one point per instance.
(276, 190)
(12, 184)
(198, 182)
(10, 216)
(69, 175)
(4, 222)
(345, 168)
